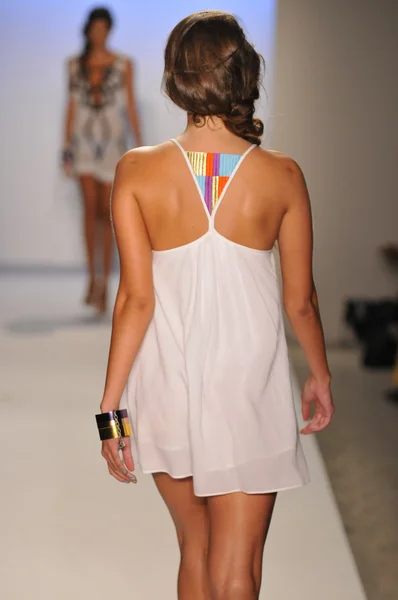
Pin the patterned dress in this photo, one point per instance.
(100, 124)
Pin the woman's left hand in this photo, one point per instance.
(122, 470)
(318, 393)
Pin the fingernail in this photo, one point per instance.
(126, 482)
(133, 479)
(124, 471)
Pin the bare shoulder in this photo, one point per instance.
(283, 175)
(281, 166)
(72, 64)
(127, 61)
(144, 154)
(135, 164)
(71, 61)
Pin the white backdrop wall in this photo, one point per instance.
(335, 100)
(40, 217)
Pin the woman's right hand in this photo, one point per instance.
(67, 159)
(319, 393)
(122, 470)
(68, 168)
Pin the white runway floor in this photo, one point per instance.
(70, 531)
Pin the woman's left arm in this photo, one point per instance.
(135, 298)
(131, 103)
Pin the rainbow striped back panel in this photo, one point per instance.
(212, 172)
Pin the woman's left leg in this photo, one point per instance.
(238, 525)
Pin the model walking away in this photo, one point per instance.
(101, 105)
(198, 359)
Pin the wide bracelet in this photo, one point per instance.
(114, 424)
(67, 156)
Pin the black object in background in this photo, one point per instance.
(373, 324)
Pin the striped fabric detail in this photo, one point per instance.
(212, 172)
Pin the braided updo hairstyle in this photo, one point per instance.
(212, 70)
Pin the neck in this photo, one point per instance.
(209, 124)
(97, 49)
(209, 133)
(208, 129)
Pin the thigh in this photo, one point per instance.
(239, 525)
(189, 513)
(90, 191)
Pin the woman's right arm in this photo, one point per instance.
(135, 301)
(69, 122)
(299, 295)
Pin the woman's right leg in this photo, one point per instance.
(89, 189)
(190, 516)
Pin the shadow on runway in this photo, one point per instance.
(46, 326)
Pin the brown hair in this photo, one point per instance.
(98, 13)
(212, 70)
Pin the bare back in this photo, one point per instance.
(250, 214)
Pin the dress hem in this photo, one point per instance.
(233, 491)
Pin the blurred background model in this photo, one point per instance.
(101, 109)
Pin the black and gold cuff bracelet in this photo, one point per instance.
(67, 156)
(114, 424)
